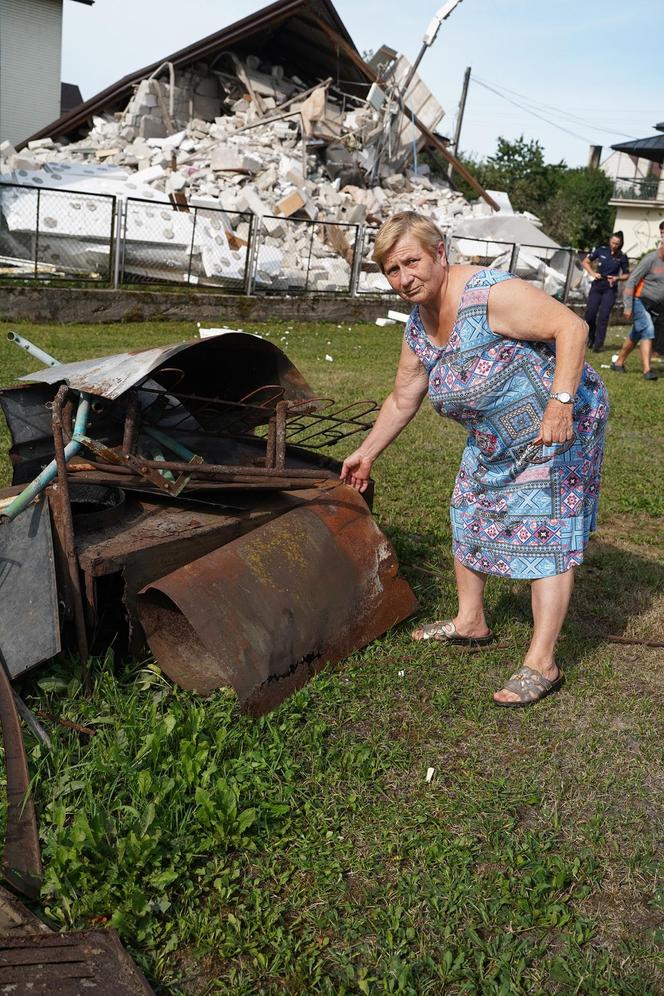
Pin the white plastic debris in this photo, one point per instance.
(382, 322)
(401, 674)
(329, 358)
(398, 316)
(430, 772)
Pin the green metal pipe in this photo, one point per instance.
(49, 473)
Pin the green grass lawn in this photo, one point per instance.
(305, 852)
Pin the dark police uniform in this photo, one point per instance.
(602, 295)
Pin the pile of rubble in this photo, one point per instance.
(247, 142)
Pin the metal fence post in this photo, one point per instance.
(37, 232)
(191, 247)
(311, 242)
(249, 256)
(356, 268)
(112, 242)
(252, 255)
(570, 274)
(514, 258)
(118, 242)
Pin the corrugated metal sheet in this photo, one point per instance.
(30, 46)
(110, 376)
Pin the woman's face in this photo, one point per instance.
(413, 273)
(615, 244)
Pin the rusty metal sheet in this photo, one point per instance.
(87, 961)
(21, 858)
(234, 362)
(269, 609)
(15, 918)
(29, 623)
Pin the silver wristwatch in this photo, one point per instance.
(562, 396)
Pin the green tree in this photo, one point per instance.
(519, 168)
(572, 204)
(579, 214)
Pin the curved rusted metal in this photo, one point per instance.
(266, 611)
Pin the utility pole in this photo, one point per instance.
(459, 121)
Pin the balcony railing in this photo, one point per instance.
(635, 189)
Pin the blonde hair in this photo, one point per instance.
(411, 223)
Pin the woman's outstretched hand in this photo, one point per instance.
(557, 424)
(356, 471)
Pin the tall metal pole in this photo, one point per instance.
(429, 39)
(459, 121)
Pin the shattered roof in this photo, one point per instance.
(294, 28)
(645, 148)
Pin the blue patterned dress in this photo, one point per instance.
(518, 510)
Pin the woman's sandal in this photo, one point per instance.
(446, 632)
(530, 686)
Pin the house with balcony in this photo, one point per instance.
(638, 190)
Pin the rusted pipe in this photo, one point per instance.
(131, 424)
(270, 443)
(225, 470)
(68, 534)
(280, 435)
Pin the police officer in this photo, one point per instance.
(612, 266)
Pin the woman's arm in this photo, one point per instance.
(410, 386)
(520, 311)
(586, 264)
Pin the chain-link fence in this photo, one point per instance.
(48, 234)
(296, 255)
(180, 243)
(555, 270)
(369, 278)
(52, 234)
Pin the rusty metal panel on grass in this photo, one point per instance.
(21, 858)
(87, 961)
(269, 609)
(16, 919)
(29, 624)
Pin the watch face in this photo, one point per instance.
(564, 397)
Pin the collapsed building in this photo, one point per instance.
(273, 120)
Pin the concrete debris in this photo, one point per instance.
(239, 139)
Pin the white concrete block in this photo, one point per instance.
(248, 200)
(150, 174)
(275, 227)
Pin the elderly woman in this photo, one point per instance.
(507, 361)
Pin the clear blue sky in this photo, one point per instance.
(599, 65)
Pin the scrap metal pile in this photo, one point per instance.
(177, 495)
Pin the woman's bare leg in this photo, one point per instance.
(470, 619)
(550, 602)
